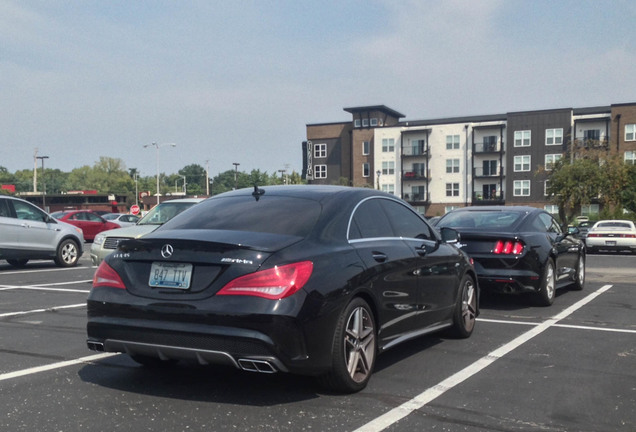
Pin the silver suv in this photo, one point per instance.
(106, 241)
(27, 233)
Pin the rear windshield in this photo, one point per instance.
(273, 214)
(486, 220)
(623, 225)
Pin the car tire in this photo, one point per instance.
(579, 276)
(465, 313)
(21, 262)
(353, 350)
(67, 253)
(547, 290)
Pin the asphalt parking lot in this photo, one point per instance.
(569, 367)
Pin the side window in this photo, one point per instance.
(28, 212)
(93, 217)
(546, 223)
(4, 208)
(406, 223)
(369, 221)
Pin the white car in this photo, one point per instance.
(27, 233)
(107, 241)
(122, 219)
(615, 235)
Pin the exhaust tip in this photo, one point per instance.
(95, 346)
(261, 366)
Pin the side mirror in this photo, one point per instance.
(449, 235)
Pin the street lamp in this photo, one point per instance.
(43, 182)
(379, 173)
(156, 146)
(236, 165)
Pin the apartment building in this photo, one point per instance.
(441, 164)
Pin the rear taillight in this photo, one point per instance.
(274, 284)
(107, 276)
(508, 247)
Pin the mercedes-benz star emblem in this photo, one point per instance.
(166, 251)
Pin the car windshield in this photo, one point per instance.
(483, 220)
(165, 211)
(273, 214)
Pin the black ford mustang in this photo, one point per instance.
(519, 249)
(303, 279)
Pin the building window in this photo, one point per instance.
(320, 171)
(522, 163)
(452, 189)
(630, 157)
(590, 210)
(552, 137)
(552, 209)
(452, 166)
(546, 188)
(522, 138)
(389, 188)
(365, 170)
(521, 188)
(388, 168)
(551, 159)
(356, 123)
(366, 146)
(365, 122)
(630, 132)
(452, 142)
(320, 151)
(388, 145)
(374, 122)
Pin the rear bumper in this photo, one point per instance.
(248, 341)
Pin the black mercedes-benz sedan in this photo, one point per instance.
(312, 280)
(518, 249)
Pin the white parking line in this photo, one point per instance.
(43, 287)
(53, 269)
(51, 309)
(58, 365)
(572, 326)
(398, 413)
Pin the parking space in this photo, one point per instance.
(566, 367)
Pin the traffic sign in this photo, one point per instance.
(134, 209)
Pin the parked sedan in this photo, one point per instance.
(519, 249)
(90, 223)
(122, 219)
(27, 233)
(310, 280)
(612, 235)
(106, 242)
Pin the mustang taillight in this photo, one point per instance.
(508, 247)
(107, 276)
(274, 284)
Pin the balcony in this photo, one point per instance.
(488, 199)
(591, 144)
(414, 175)
(417, 198)
(487, 147)
(414, 152)
(480, 172)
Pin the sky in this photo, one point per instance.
(238, 81)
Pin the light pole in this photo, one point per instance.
(379, 173)
(236, 165)
(156, 146)
(184, 184)
(43, 182)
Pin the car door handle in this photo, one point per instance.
(25, 225)
(421, 251)
(379, 256)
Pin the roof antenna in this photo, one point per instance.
(257, 192)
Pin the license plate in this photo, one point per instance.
(170, 275)
(610, 243)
